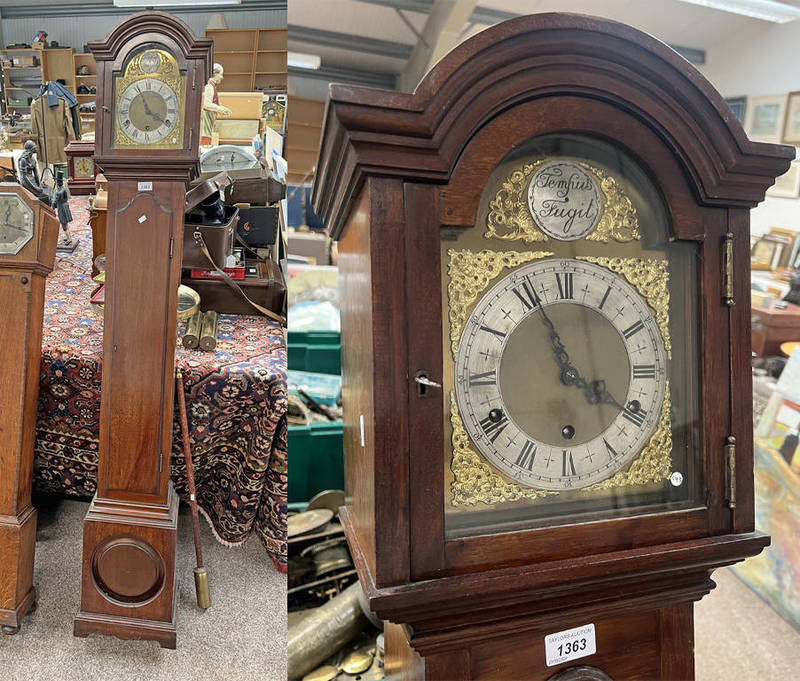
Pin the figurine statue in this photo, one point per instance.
(211, 106)
(29, 173)
(61, 203)
(793, 296)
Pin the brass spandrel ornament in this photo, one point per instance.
(149, 102)
(562, 199)
(477, 482)
(469, 275)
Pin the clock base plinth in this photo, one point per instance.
(17, 543)
(81, 187)
(128, 584)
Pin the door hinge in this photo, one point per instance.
(727, 278)
(160, 461)
(171, 246)
(730, 470)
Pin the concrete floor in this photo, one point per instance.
(241, 637)
(738, 637)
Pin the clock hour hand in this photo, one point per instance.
(595, 392)
(149, 112)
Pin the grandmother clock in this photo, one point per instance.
(28, 236)
(544, 261)
(151, 71)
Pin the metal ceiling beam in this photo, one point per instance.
(346, 41)
(488, 17)
(336, 74)
(107, 8)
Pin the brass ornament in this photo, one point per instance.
(510, 217)
(165, 69)
(474, 479)
(477, 481)
(470, 274)
(650, 277)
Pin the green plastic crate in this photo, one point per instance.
(316, 460)
(319, 351)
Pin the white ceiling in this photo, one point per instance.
(672, 21)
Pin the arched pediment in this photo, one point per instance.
(420, 136)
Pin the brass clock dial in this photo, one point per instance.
(147, 111)
(84, 166)
(149, 101)
(560, 374)
(16, 224)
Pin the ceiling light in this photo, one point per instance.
(304, 61)
(766, 10)
(173, 3)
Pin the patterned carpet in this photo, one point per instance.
(236, 399)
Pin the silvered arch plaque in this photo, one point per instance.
(565, 200)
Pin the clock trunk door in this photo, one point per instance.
(573, 288)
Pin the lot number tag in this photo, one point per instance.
(569, 644)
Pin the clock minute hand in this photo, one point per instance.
(595, 391)
(14, 227)
(148, 111)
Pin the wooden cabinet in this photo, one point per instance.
(22, 281)
(544, 152)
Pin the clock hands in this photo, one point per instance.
(149, 112)
(14, 227)
(595, 392)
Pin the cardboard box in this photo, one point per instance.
(314, 245)
(235, 130)
(243, 105)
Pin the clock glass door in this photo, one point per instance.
(571, 353)
(149, 101)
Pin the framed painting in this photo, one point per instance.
(764, 118)
(787, 186)
(791, 128)
(738, 106)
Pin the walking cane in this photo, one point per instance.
(200, 573)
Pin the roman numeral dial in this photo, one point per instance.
(560, 374)
(147, 112)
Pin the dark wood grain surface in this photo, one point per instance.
(395, 170)
(22, 281)
(130, 531)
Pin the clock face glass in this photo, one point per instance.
(149, 101)
(147, 111)
(84, 166)
(16, 224)
(570, 346)
(560, 374)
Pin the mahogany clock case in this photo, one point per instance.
(22, 282)
(130, 531)
(404, 176)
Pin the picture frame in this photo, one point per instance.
(738, 106)
(787, 186)
(764, 118)
(767, 252)
(791, 127)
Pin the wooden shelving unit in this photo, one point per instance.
(86, 59)
(18, 80)
(253, 59)
(53, 64)
(303, 133)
